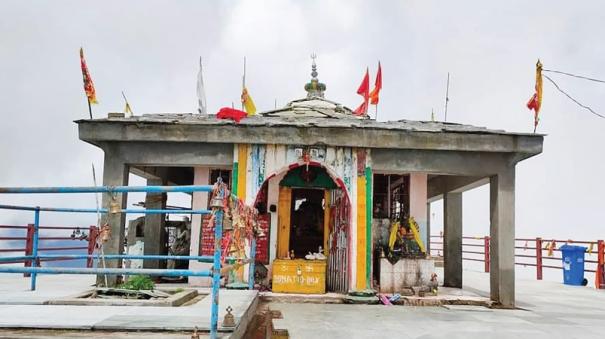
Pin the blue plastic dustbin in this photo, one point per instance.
(573, 264)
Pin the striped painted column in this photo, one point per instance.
(364, 224)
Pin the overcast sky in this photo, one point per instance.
(150, 49)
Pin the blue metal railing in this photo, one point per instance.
(214, 272)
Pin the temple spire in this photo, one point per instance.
(314, 88)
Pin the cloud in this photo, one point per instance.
(150, 49)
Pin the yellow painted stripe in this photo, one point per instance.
(283, 222)
(361, 233)
(242, 158)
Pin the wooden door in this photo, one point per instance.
(283, 221)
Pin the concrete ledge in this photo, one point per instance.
(81, 299)
(328, 298)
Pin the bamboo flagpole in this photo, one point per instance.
(94, 179)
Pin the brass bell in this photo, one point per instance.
(229, 320)
(114, 207)
(227, 224)
(216, 202)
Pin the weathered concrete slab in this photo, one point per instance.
(550, 310)
(21, 308)
(83, 299)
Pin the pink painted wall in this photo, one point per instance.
(201, 176)
(418, 198)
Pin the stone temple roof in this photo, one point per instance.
(302, 113)
(313, 107)
(312, 111)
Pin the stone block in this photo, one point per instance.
(406, 273)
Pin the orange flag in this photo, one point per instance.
(374, 95)
(89, 87)
(364, 91)
(535, 102)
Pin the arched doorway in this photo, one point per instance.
(313, 210)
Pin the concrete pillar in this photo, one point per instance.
(273, 199)
(201, 176)
(418, 198)
(452, 240)
(428, 227)
(115, 173)
(502, 233)
(155, 234)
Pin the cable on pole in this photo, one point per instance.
(574, 75)
(572, 99)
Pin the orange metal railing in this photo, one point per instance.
(478, 249)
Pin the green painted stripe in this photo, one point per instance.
(369, 194)
(234, 178)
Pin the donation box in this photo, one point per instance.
(299, 276)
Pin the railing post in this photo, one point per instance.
(252, 262)
(539, 258)
(600, 276)
(486, 253)
(93, 232)
(35, 247)
(216, 266)
(28, 247)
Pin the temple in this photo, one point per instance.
(328, 184)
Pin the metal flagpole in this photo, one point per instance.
(447, 91)
(376, 118)
(89, 108)
(244, 83)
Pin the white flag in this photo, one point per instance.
(201, 94)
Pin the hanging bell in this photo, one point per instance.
(216, 202)
(114, 207)
(227, 224)
(232, 248)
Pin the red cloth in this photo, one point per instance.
(362, 109)
(374, 95)
(231, 113)
(534, 103)
(364, 91)
(364, 88)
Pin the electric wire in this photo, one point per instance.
(573, 75)
(572, 99)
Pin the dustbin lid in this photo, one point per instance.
(573, 248)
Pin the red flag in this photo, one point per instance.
(364, 91)
(362, 109)
(231, 113)
(374, 95)
(89, 87)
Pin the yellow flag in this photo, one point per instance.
(248, 103)
(127, 109)
(416, 231)
(393, 235)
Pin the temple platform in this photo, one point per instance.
(21, 308)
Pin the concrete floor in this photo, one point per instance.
(547, 310)
(21, 308)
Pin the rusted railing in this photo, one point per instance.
(78, 234)
(477, 249)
